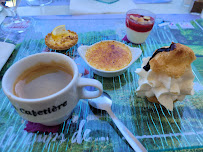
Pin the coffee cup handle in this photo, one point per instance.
(85, 94)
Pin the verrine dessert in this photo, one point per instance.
(139, 24)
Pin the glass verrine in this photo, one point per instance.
(14, 23)
(139, 23)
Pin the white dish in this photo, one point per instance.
(136, 52)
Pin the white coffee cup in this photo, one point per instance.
(53, 109)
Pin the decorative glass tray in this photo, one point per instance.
(92, 130)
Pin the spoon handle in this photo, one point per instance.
(135, 144)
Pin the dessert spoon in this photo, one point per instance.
(104, 102)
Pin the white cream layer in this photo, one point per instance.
(165, 88)
(136, 37)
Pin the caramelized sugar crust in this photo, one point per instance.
(61, 42)
(109, 55)
(173, 63)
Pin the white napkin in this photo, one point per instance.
(5, 51)
(95, 7)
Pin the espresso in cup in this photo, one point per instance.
(42, 79)
(45, 87)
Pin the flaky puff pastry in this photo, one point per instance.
(61, 42)
(173, 63)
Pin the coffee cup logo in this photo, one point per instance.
(44, 111)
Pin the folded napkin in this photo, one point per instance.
(36, 127)
(96, 7)
(5, 51)
(125, 39)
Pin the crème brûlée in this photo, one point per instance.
(108, 55)
(62, 39)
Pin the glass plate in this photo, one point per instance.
(93, 130)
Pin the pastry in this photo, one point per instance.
(61, 39)
(167, 76)
(109, 55)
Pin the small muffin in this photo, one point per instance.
(61, 39)
(109, 55)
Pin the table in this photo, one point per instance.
(91, 130)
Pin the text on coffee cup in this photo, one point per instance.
(45, 111)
